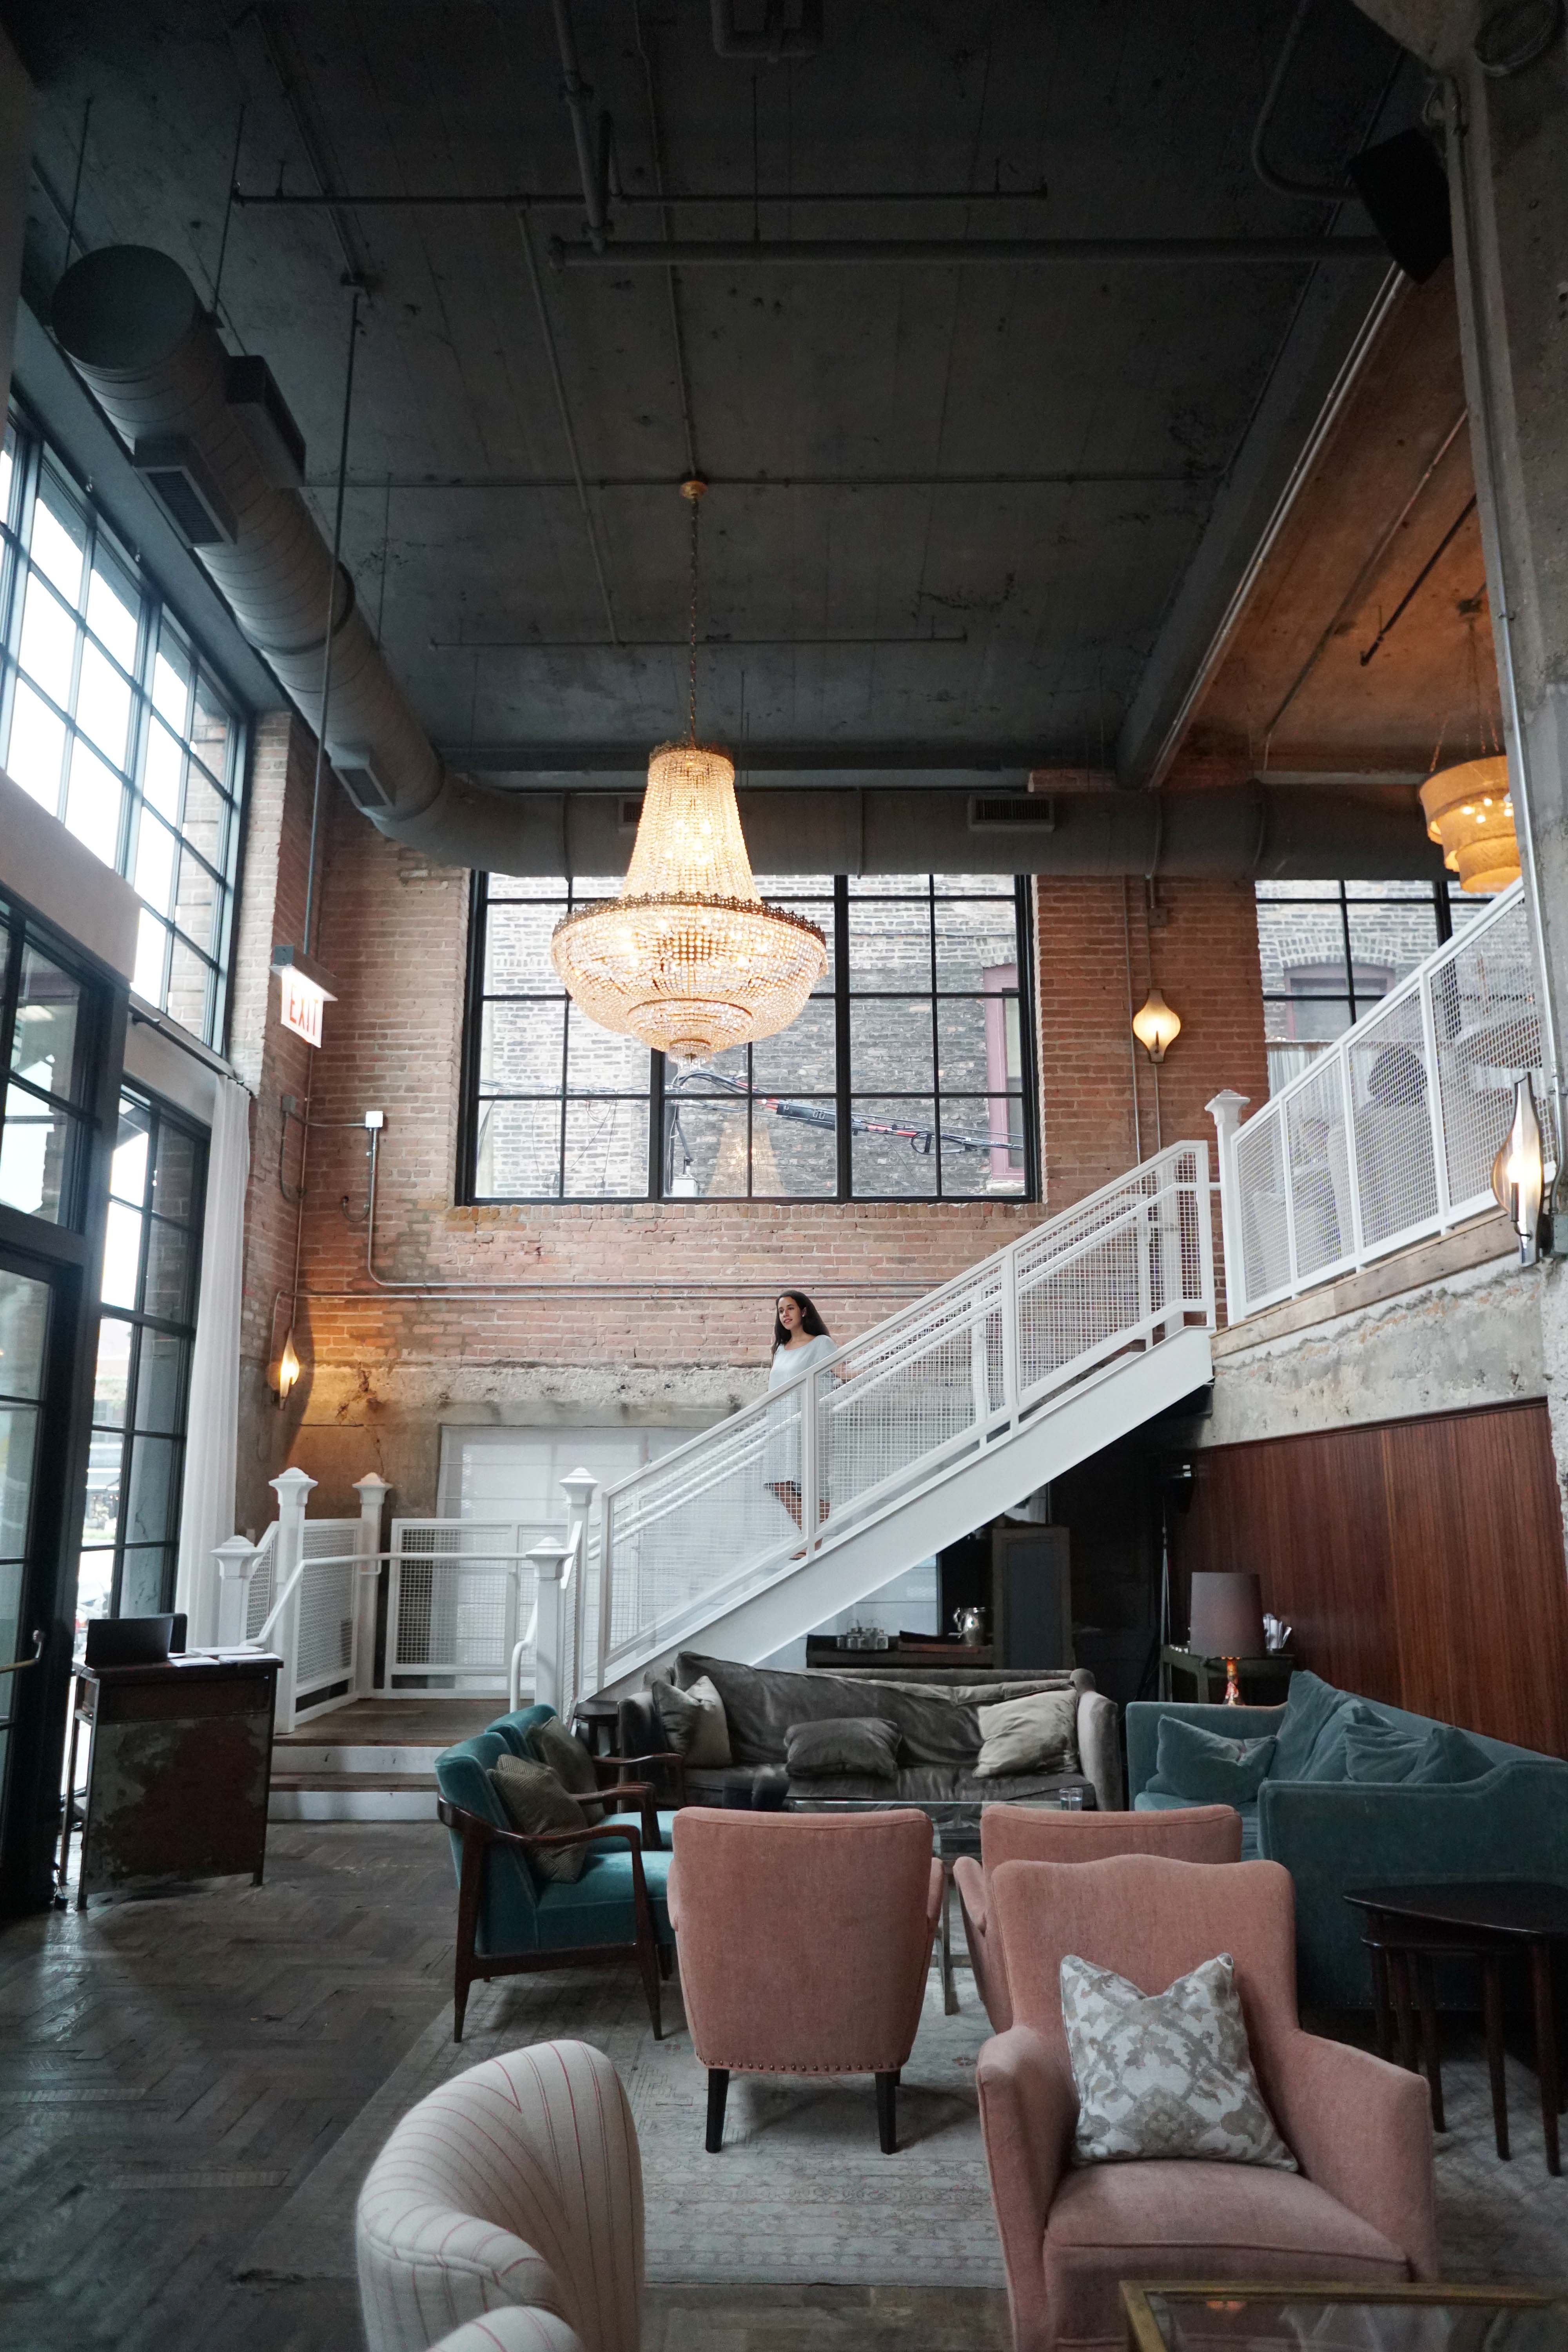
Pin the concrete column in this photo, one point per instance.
(373, 1491)
(16, 96)
(1506, 136)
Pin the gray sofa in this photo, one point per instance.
(1333, 1833)
(937, 1719)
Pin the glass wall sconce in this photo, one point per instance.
(1519, 1178)
(1156, 1026)
(286, 1370)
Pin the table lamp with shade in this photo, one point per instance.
(1225, 1621)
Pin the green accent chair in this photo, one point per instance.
(513, 1921)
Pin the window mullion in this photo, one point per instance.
(935, 1041)
(842, 1135)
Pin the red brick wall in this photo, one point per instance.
(688, 1334)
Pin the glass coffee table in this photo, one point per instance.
(1272, 2315)
(955, 1828)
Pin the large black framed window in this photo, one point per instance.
(1328, 951)
(908, 1075)
(151, 1270)
(113, 721)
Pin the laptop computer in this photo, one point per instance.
(134, 1641)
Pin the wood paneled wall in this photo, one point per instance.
(1420, 1561)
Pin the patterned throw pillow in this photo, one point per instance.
(1166, 2074)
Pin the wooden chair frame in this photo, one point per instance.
(478, 1836)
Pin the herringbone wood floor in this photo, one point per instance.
(172, 2070)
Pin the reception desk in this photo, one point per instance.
(179, 1761)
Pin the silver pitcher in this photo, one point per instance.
(969, 1624)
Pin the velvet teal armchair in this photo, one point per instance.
(511, 1920)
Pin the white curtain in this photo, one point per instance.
(206, 1509)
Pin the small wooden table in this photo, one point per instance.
(1482, 1919)
(599, 1718)
(1195, 2315)
(823, 1655)
(1263, 1682)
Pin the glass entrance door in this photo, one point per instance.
(25, 1316)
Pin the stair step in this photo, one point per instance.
(355, 1780)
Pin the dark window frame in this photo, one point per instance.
(836, 914)
(34, 452)
(162, 1116)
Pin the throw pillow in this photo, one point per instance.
(1167, 2074)
(550, 1743)
(867, 1744)
(1329, 1760)
(1390, 1754)
(1309, 1706)
(535, 1802)
(1038, 1734)
(1208, 1769)
(694, 1723)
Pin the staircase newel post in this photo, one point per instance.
(236, 1563)
(373, 1491)
(1225, 1110)
(548, 1560)
(292, 1487)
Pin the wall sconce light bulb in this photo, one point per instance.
(1156, 1026)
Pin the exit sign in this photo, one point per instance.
(304, 987)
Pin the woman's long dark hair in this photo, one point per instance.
(811, 1322)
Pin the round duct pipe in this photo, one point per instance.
(130, 318)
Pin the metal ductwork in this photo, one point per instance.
(212, 428)
(130, 318)
(1233, 832)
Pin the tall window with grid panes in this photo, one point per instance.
(905, 1077)
(111, 718)
(1331, 949)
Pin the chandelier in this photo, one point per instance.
(689, 960)
(1469, 814)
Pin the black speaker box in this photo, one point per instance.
(1403, 188)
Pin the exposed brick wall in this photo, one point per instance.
(385, 1370)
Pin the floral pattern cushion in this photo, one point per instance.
(1167, 2074)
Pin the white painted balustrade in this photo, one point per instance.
(1390, 1133)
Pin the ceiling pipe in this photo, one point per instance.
(576, 93)
(1233, 832)
(130, 319)
(1010, 252)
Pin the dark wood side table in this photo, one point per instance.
(823, 1653)
(598, 1718)
(179, 1764)
(1482, 1919)
(1264, 1682)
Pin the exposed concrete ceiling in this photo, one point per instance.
(953, 509)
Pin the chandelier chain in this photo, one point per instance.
(691, 674)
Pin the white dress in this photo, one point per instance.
(782, 1461)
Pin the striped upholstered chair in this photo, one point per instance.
(515, 2190)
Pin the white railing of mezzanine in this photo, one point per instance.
(862, 1432)
(1390, 1133)
(306, 1591)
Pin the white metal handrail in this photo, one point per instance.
(848, 1441)
(458, 1592)
(1390, 1133)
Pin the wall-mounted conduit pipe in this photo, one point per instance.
(1008, 252)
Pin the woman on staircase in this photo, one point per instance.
(801, 1339)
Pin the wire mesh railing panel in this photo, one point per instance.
(1265, 1217)
(1486, 1018)
(1320, 1164)
(460, 1593)
(1429, 1078)
(326, 1602)
(898, 1407)
(262, 1589)
(1395, 1164)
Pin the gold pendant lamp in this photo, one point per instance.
(688, 959)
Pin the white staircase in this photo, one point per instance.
(913, 1434)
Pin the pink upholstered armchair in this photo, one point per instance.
(1360, 2208)
(805, 1943)
(1040, 1833)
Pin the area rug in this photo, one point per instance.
(801, 2194)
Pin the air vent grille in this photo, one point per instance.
(1011, 813)
(175, 472)
(631, 812)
